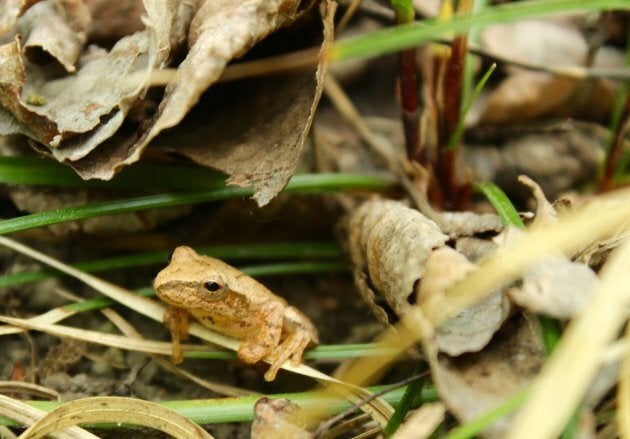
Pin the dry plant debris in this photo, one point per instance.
(109, 119)
(279, 418)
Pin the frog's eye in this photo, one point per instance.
(212, 286)
(215, 289)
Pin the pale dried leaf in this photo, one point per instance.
(279, 418)
(529, 95)
(118, 410)
(475, 249)
(558, 160)
(536, 42)
(97, 337)
(566, 376)
(9, 13)
(220, 31)
(26, 415)
(422, 422)
(391, 242)
(473, 327)
(101, 94)
(545, 212)
(474, 384)
(555, 287)
(112, 21)
(171, 21)
(251, 130)
(56, 29)
(460, 224)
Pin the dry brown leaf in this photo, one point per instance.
(118, 410)
(389, 244)
(528, 95)
(566, 376)
(171, 20)
(278, 418)
(557, 160)
(41, 107)
(463, 224)
(474, 384)
(55, 29)
(555, 287)
(422, 422)
(473, 327)
(251, 130)
(475, 249)
(113, 20)
(9, 12)
(26, 415)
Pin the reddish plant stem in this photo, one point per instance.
(606, 181)
(408, 73)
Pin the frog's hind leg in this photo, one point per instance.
(262, 341)
(292, 347)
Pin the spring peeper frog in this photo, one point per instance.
(232, 303)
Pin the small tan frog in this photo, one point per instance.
(232, 303)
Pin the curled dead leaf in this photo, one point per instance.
(473, 327)
(251, 130)
(474, 384)
(388, 245)
(55, 29)
(279, 418)
(118, 410)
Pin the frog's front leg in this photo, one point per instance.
(261, 342)
(300, 332)
(177, 321)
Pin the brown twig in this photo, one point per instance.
(616, 148)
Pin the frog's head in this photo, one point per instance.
(190, 280)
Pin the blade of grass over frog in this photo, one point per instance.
(241, 409)
(41, 171)
(306, 183)
(377, 408)
(402, 37)
(459, 130)
(501, 203)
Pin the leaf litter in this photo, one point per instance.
(407, 267)
(92, 129)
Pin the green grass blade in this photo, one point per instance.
(501, 203)
(459, 130)
(221, 410)
(230, 252)
(40, 171)
(405, 36)
(306, 183)
(406, 402)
